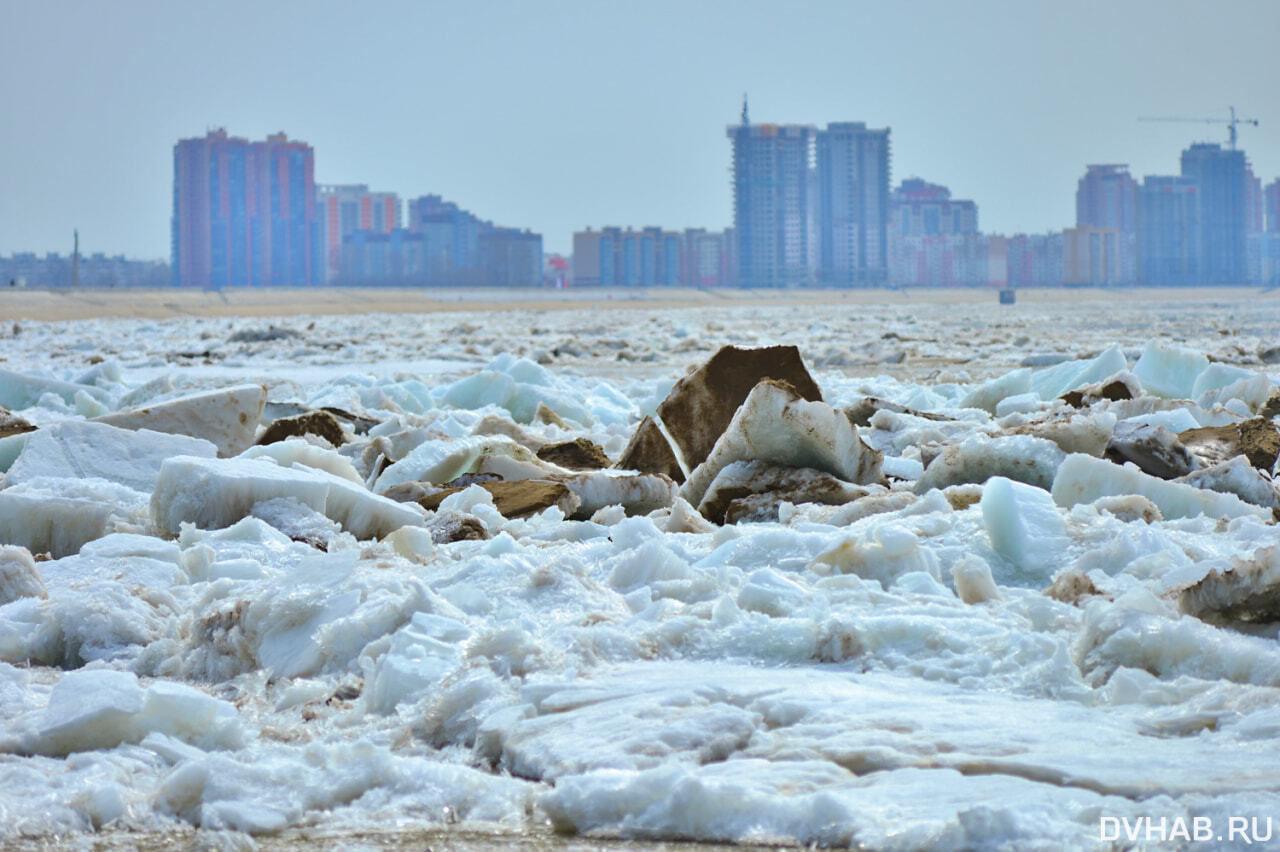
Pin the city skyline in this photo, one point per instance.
(523, 112)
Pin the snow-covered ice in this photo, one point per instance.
(963, 624)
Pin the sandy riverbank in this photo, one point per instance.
(54, 305)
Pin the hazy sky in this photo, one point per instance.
(559, 115)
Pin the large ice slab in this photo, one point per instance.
(101, 708)
(1170, 371)
(988, 395)
(77, 449)
(214, 493)
(776, 424)
(1021, 457)
(20, 390)
(227, 417)
(1025, 527)
(1054, 381)
(1083, 479)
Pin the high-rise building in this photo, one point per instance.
(452, 239)
(1271, 201)
(344, 209)
(1169, 231)
(1107, 197)
(1255, 214)
(772, 209)
(244, 212)
(933, 238)
(853, 203)
(1221, 177)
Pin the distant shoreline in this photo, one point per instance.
(93, 303)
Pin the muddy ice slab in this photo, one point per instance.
(648, 451)
(12, 424)
(215, 493)
(1248, 591)
(439, 461)
(700, 406)
(77, 449)
(776, 424)
(1153, 448)
(754, 489)
(578, 454)
(228, 417)
(516, 499)
(1257, 439)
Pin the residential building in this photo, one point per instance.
(1271, 202)
(772, 209)
(852, 203)
(1264, 258)
(921, 209)
(706, 258)
(510, 257)
(95, 270)
(1169, 231)
(1221, 177)
(1032, 260)
(649, 257)
(1091, 256)
(933, 238)
(244, 212)
(344, 209)
(652, 257)
(394, 257)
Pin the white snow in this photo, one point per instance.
(260, 643)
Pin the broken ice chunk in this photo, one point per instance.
(1083, 479)
(227, 417)
(1169, 371)
(1025, 528)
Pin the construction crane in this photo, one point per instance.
(1229, 122)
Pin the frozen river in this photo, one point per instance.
(1007, 640)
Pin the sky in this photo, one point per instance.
(559, 115)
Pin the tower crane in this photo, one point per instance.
(1229, 122)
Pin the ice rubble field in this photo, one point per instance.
(1008, 637)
